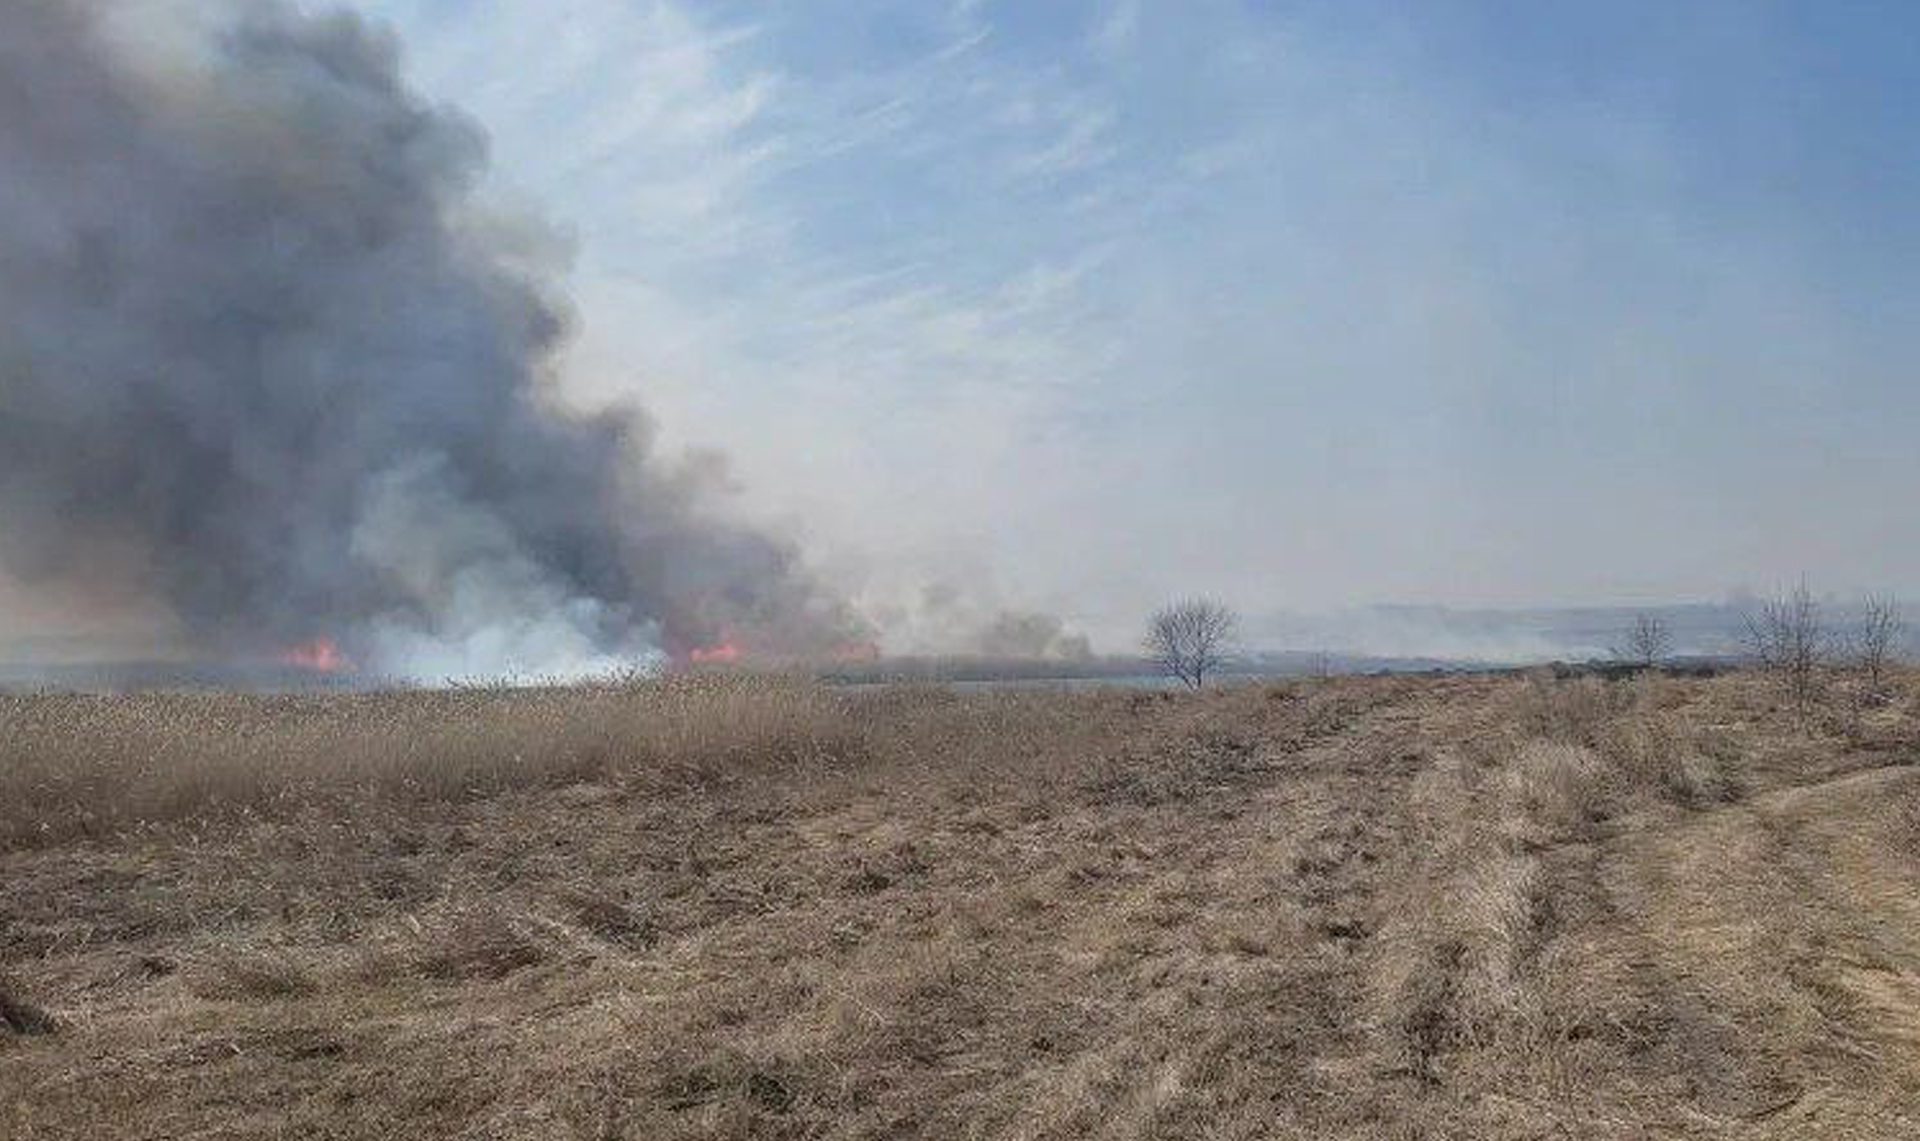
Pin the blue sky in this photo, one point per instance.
(1310, 305)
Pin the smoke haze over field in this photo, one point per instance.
(262, 353)
(1311, 306)
(1012, 321)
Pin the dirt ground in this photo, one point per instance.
(1467, 906)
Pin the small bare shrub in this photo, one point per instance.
(1646, 643)
(1874, 640)
(1791, 642)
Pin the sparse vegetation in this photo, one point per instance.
(1875, 639)
(726, 907)
(1190, 639)
(1647, 642)
(1789, 639)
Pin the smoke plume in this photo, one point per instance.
(253, 327)
(965, 617)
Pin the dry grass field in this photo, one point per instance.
(712, 907)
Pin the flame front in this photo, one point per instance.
(725, 651)
(319, 655)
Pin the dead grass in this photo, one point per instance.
(1905, 817)
(251, 975)
(737, 908)
(86, 766)
(18, 1014)
(481, 944)
(615, 921)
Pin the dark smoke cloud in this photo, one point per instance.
(250, 325)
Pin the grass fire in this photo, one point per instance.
(598, 570)
(319, 655)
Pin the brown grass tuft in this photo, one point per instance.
(18, 1014)
(481, 944)
(1555, 792)
(1906, 814)
(252, 974)
(618, 923)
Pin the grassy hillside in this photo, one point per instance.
(731, 908)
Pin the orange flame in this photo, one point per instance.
(725, 651)
(319, 655)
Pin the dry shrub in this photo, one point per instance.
(18, 1014)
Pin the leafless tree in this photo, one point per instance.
(1875, 638)
(1190, 639)
(1787, 637)
(1648, 641)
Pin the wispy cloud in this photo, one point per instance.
(1313, 294)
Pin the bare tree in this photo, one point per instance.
(1789, 640)
(1875, 638)
(1648, 641)
(1190, 639)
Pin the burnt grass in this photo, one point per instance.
(738, 907)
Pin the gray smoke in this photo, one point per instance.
(1027, 634)
(964, 617)
(252, 326)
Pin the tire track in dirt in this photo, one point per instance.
(1771, 932)
(1272, 1039)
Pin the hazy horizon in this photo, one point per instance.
(1308, 305)
(1382, 633)
(990, 309)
